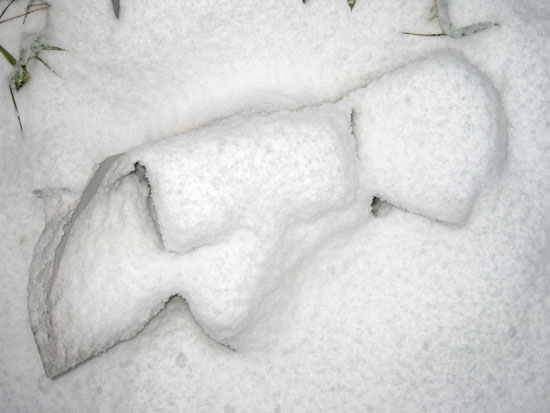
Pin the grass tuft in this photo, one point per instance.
(21, 76)
(440, 10)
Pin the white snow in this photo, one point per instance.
(343, 311)
(431, 136)
(222, 216)
(13, 40)
(249, 173)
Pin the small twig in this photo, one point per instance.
(25, 14)
(6, 8)
(16, 109)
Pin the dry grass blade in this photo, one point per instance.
(44, 6)
(31, 5)
(6, 8)
(27, 10)
(426, 34)
(16, 109)
(440, 10)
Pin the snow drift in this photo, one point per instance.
(225, 215)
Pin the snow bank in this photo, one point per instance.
(222, 216)
(431, 135)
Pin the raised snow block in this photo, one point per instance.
(430, 136)
(222, 216)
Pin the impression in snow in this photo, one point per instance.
(225, 215)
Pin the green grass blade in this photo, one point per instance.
(45, 64)
(46, 47)
(11, 60)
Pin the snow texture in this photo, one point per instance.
(35, 23)
(241, 204)
(225, 214)
(397, 313)
(431, 136)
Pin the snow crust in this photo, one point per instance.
(431, 136)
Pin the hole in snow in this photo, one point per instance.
(380, 208)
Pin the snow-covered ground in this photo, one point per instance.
(440, 302)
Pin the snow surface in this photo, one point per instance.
(227, 213)
(398, 313)
(431, 136)
(222, 216)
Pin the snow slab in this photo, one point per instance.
(222, 216)
(431, 136)
(399, 314)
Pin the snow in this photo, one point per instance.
(13, 40)
(249, 173)
(396, 312)
(431, 136)
(440, 11)
(226, 213)
(222, 216)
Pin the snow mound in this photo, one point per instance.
(222, 216)
(225, 215)
(430, 136)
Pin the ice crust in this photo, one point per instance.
(431, 136)
(225, 215)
